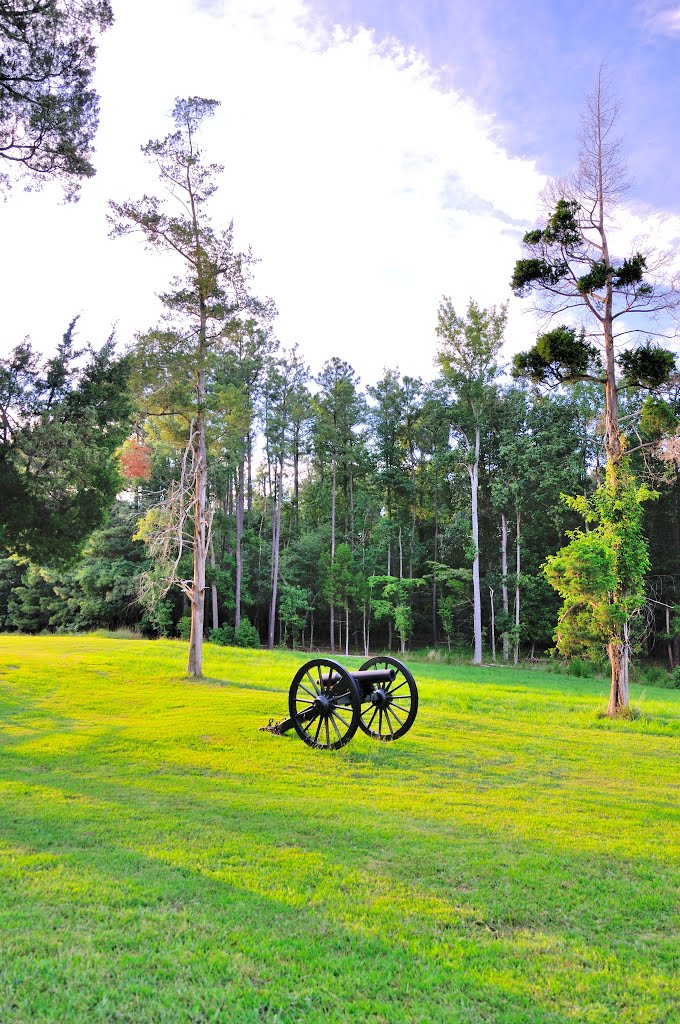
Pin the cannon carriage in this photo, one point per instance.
(327, 702)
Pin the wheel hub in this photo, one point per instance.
(381, 698)
(323, 703)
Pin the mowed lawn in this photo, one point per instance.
(514, 858)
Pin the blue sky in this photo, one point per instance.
(377, 156)
(529, 64)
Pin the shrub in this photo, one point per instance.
(246, 635)
(581, 669)
(184, 627)
(223, 636)
(674, 678)
(654, 675)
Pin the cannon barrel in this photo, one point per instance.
(387, 675)
(378, 675)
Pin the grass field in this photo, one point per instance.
(514, 858)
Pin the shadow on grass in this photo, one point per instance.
(368, 930)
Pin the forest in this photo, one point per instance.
(205, 484)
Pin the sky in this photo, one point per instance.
(378, 155)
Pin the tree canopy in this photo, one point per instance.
(48, 109)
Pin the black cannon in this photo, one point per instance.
(328, 703)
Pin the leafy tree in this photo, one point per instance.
(570, 262)
(600, 573)
(176, 361)
(468, 353)
(61, 421)
(48, 109)
(294, 607)
(393, 599)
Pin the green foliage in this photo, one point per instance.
(158, 619)
(595, 279)
(631, 271)
(657, 418)
(530, 272)
(294, 606)
(563, 228)
(647, 366)
(48, 110)
(600, 573)
(63, 421)
(392, 599)
(184, 627)
(246, 635)
(223, 635)
(559, 355)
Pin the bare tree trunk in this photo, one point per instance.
(668, 634)
(493, 626)
(365, 630)
(504, 576)
(276, 536)
(619, 657)
(332, 605)
(473, 472)
(516, 655)
(195, 664)
(250, 471)
(389, 573)
(213, 589)
(296, 476)
(239, 540)
(435, 626)
(347, 629)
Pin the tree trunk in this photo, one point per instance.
(516, 655)
(195, 664)
(239, 539)
(669, 645)
(346, 630)
(332, 605)
(296, 476)
(435, 625)
(276, 535)
(389, 573)
(619, 657)
(250, 471)
(213, 590)
(493, 626)
(476, 592)
(504, 576)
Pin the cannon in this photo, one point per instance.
(327, 703)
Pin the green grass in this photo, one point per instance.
(514, 858)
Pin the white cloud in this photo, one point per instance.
(665, 21)
(364, 186)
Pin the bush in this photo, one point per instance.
(674, 678)
(581, 669)
(184, 627)
(246, 635)
(223, 636)
(654, 675)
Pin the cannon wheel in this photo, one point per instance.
(324, 704)
(388, 710)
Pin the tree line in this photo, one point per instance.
(264, 505)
